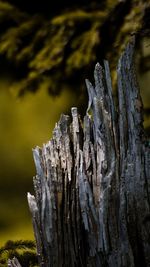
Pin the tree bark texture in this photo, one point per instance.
(92, 189)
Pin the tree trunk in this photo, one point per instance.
(92, 202)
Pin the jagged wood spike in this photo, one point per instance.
(91, 205)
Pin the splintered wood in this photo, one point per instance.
(91, 205)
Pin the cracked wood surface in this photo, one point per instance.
(92, 203)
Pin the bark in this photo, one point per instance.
(92, 203)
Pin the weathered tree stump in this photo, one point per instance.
(92, 202)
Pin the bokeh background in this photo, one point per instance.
(47, 49)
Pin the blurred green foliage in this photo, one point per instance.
(53, 49)
(23, 250)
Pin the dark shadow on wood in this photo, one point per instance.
(92, 203)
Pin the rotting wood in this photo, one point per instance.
(92, 203)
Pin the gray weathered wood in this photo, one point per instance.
(13, 263)
(92, 203)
